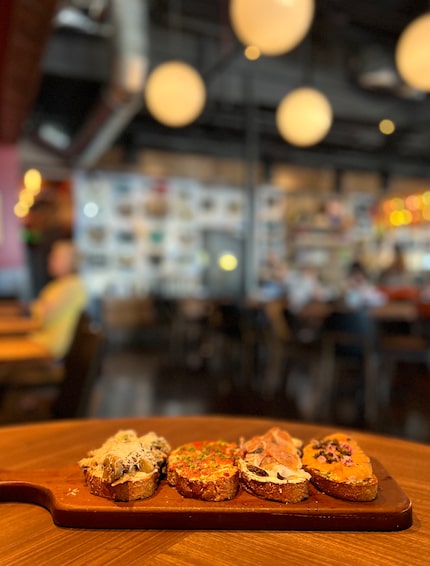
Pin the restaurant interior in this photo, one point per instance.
(251, 208)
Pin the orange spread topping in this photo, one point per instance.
(337, 457)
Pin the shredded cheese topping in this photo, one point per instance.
(125, 454)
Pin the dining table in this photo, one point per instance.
(48, 515)
(20, 349)
(12, 307)
(405, 311)
(17, 325)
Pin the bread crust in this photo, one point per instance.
(219, 489)
(141, 486)
(351, 491)
(285, 492)
(204, 470)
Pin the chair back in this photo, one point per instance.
(81, 369)
(353, 333)
(227, 319)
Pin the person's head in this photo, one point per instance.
(309, 271)
(357, 277)
(357, 271)
(398, 258)
(62, 259)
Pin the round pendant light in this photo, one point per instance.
(175, 94)
(304, 117)
(273, 26)
(413, 53)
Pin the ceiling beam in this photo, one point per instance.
(27, 27)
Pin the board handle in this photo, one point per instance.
(31, 486)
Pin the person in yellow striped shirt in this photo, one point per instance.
(60, 303)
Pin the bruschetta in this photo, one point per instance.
(270, 467)
(126, 467)
(204, 470)
(340, 468)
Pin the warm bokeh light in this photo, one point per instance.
(304, 117)
(401, 217)
(274, 26)
(397, 203)
(387, 127)
(252, 53)
(395, 218)
(20, 209)
(412, 54)
(227, 262)
(175, 94)
(417, 216)
(386, 207)
(33, 181)
(413, 202)
(426, 213)
(26, 197)
(406, 216)
(403, 211)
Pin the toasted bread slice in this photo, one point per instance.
(204, 470)
(340, 468)
(126, 467)
(270, 467)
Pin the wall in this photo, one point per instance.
(12, 255)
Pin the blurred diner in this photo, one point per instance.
(396, 274)
(303, 286)
(360, 291)
(61, 301)
(51, 324)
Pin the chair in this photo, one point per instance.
(291, 346)
(188, 337)
(407, 351)
(81, 369)
(226, 337)
(127, 319)
(238, 343)
(348, 344)
(70, 397)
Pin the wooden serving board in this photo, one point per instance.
(63, 493)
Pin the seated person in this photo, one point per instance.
(305, 286)
(396, 273)
(360, 291)
(56, 312)
(60, 303)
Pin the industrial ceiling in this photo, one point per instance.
(66, 98)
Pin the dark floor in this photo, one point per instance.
(150, 377)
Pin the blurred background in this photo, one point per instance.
(221, 167)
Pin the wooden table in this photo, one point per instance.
(11, 307)
(17, 325)
(395, 311)
(20, 349)
(29, 535)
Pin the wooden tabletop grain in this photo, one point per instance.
(29, 535)
(17, 349)
(17, 325)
